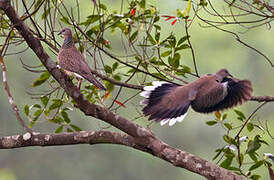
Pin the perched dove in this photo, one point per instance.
(73, 62)
(167, 102)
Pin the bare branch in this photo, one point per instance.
(262, 98)
(11, 100)
(158, 148)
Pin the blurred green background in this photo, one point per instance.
(214, 50)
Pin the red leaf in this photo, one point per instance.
(173, 22)
(133, 11)
(106, 95)
(106, 42)
(118, 102)
(169, 17)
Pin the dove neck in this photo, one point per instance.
(68, 42)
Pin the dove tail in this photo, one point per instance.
(95, 82)
(158, 111)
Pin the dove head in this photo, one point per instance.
(66, 32)
(223, 73)
(68, 40)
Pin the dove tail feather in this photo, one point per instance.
(155, 110)
(94, 81)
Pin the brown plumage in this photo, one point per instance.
(73, 62)
(167, 102)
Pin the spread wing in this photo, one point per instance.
(210, 93)
(237, 92)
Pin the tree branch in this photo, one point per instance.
(161, 150)
(262, 98)
(142, 137)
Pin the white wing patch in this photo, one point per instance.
(149, 89)
(173, 121)
(146, 93)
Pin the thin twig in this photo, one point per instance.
(11, 100)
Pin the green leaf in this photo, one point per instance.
(43, 78)
(240, 114)
(157, 27)
(151, 40)
(156, 19)
(224, 116)
(93, 30)
(57, 120)
(253, 156)
(183, 39)
(109, 86)
(184, 46)
(117, 77)
(59, 129)
(159, 75)
(65, 20)
(250, 127)
(115, 66)
(69, 130)
(37, 113)
(228, 126)
(46, 112)
(46, 13)
(219, 151)
(44, 100)
(166, 53)
(255, 177)
(183, 71)
(175, 61)
(227, 139)
(26, 110)
(37, 4)
(36, 106)
(256, 165)
(65, 117)
(56, 104)
(102, 6)
(75, 128)
(211, 123)
(108, 69)
(142, 4)
(31, 124)
(234, 168)
(253, 146)
(157, 36)
(91, 19)
(133, 36)
(171, 40)
(227, 162)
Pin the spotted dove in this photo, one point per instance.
(166, 102)
(73, 62)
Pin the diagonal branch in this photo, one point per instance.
(142, 137)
